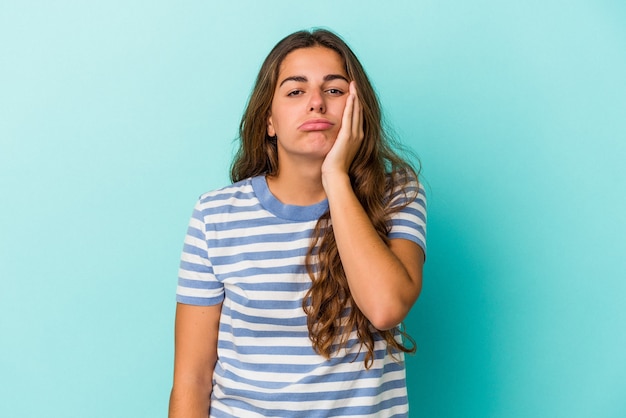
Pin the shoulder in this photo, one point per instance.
(406, 208)
(239, 189)
(403, 188)
(237, 202)
(236, 194)
(224, 199)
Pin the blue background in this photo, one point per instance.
(116, 115)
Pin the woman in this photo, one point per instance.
(294, 279)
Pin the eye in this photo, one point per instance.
(294, 93)
(334, 92)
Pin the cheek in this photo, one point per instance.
(339, 109)
(279, 117)
(341, 105)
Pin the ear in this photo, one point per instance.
(270, 127)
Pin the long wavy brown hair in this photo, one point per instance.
(376, 172)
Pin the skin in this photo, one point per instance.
(314, 159)
(385, 281)
(194, 360)
(312, 85)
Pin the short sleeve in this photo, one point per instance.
(410, 221)
(197, 284)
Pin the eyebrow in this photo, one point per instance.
(303, 79)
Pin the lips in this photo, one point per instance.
(316, 125)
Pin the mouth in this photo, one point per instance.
(316, 125)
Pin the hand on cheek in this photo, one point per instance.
(349, 137)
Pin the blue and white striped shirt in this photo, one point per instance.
(246, 249)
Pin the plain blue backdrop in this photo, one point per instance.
(116, 115)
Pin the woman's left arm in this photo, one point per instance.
(385, 281)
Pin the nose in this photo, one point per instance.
(316, 103)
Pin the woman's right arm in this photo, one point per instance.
(195, 355)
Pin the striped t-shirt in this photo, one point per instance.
(245, 249)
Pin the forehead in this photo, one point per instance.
(311, 61)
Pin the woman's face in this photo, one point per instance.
(308, 103)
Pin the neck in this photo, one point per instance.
(299, 185)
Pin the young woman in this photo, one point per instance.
(294, 279)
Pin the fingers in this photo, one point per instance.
(357, 113)
(352, 118)
(349, 137)
(348, 112)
